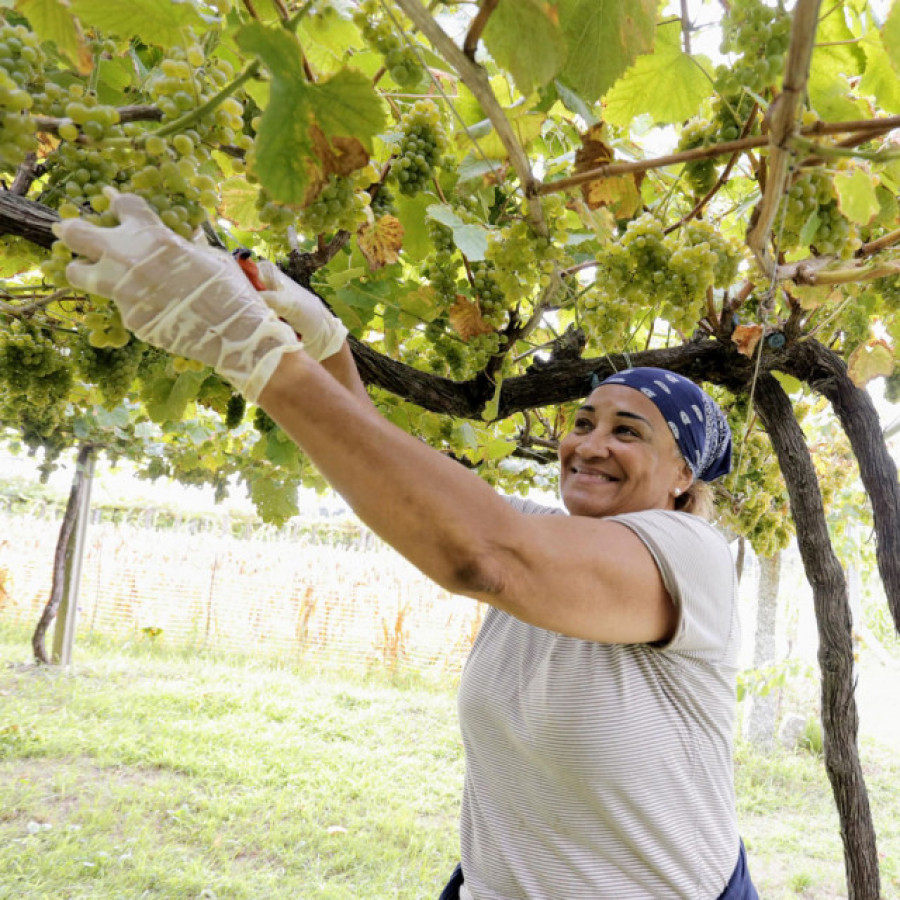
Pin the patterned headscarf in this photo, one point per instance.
(698, 425)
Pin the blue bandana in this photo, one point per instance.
(698, 425)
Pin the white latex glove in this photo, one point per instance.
(190, 300)
(323, 333)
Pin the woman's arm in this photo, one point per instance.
(578, 576)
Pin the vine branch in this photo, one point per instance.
(782, 121)
(477, 27)
(475, 78)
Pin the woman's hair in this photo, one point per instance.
(697, 500)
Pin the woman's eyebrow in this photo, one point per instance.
(631, 415)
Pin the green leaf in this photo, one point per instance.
(637, 91)
(857, 198)
(275, 501)
(347, 105)
(160, 23)
(880, 78)
(54, 22)
(603, 37)
(492, 407)
(167, 399)
(282, 451)
(790, 384)
(524, 40)
(471, 239)
(890, 36)
(411, 213)
(810, 227)
(283, 141)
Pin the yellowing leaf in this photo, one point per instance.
(812, 296)
(870, 360)
(339, 155)
(856, 195)
(380, 243)
(53, 21)
(466, 319)
(747, 337)
(620, 193)
(239, 204)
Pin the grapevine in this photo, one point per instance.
(112, 369)
(812, 217)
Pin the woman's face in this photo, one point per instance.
(620, 456)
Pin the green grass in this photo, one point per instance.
(144, 773)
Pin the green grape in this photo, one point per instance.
(112, 369)
(400, 59)
(35, 377)
(234, 414)
(215, 393)
(700, 174)
(263, 422)
(337, 207)
(441, 268)
(419, 149)
(760, 35)
(812, 217)
(383, 202)
(20, 78)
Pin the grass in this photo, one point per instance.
(150, 773)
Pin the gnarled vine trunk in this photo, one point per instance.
(840, 718)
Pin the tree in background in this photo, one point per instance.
(474, 190)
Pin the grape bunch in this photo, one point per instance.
(675, 270)
(36, 378)
(488, 294)
(21, 62)
(419, 148)
(760, 35)
(441, 268)
(112, 369)
(337, 207)
(400, 60)
(76, 177)
(812, 217)
(700, 174)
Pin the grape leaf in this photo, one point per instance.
(346, 104)
(471, 239)
(870, 360)
(880, 78)
(856, 195)
(620, 193)
(380, 243)
(53, 21)
(603, 37)
(275, 501)
(524, 39)
(890, 36)
(160, 22)
(283, 140)
(466, 319)
(747, 337)
(638, 91)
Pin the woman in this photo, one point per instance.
(597, 703)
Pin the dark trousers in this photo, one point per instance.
(739, 887)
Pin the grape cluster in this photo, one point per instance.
(675, 270)
(760, 35)
(813, 217)
(21, 61)
(419, 148)
(399, 58)
(112, 369)
(383, 202)
(337, 207)
(36, 380)
(488, 294)
(441, 268)
(523, 262)
(263, 422)
(76, 177)
(700, 174)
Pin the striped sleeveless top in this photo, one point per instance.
(604, 771)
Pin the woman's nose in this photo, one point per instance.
(594, 444)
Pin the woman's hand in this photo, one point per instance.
(190, 300)
(322, 332)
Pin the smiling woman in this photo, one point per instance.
(597, 704)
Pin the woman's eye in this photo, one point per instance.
(582, 424)
(627, 431)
